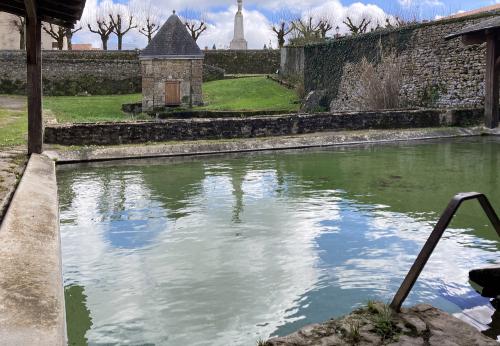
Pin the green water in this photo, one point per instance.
(225, 250)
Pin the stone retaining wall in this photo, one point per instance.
(244, 61)
(435, 72)
(72, 73)
(69, 73)
(197, 129)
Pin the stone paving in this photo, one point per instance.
(376, 325)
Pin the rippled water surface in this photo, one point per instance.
(226, 250)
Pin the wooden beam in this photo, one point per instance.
(34, 78)
(31, 10)
(491, 83)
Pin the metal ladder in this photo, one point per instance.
(434, 238)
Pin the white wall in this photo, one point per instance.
(9, 36)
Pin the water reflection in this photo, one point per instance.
(228, 250)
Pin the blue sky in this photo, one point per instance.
(259, 15)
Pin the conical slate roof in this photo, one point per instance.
(173, 41)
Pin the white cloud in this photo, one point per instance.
(257, 25)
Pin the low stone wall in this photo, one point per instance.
(196, 129)
(244, 61)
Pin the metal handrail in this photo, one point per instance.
(434, 238)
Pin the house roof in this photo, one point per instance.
(488, 24)
(492, 8)
(173, 41)
(65, 13)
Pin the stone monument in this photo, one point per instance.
(239, 42)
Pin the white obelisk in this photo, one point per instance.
(239, 41)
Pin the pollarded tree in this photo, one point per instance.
(122, 21)
(58, 33)
(325, 25)
(356, 29)
(20, 24)
(104, 28)
(149, 20)
(69, 36)
(195, 23)
(282, 26)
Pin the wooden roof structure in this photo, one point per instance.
(486, 31)
(64, 13)
(61, 12)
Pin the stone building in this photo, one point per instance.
(172, 68)
(239, 42)
(10, 38)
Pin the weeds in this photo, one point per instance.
(384, 325)
(353, 334)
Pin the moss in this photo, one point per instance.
(430, 94)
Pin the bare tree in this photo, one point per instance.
(149, 22)
(195, 22)
(20, 24)
(69, 36)
(58, 33)
(361, 28)
(325, 25)
(104, 28)
(307, 28)
(122, 21)
(282, 26)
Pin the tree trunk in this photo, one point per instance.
(22, 41)
(104, 43)
(120, 42)
(69, 38)
(60, 43)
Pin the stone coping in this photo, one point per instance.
(31, 286)
(66, 155)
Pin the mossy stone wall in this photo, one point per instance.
(435, 72)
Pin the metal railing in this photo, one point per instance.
(434, 238)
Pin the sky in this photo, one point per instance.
(260, 14)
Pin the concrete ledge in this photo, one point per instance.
(325, 139)
(31, 287)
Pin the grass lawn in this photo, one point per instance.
(13, 128)
(252, 93)
(249, 93)
(89, 108)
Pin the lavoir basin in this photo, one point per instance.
(227, 250)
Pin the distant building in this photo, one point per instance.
(84, 46)
(239, 42)
(492, 8)
(10, 39)
(172, 68)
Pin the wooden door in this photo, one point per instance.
(173, 93)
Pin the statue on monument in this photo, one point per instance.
(239, 41)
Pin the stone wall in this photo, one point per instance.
(196, 129)
(292, 63)
(244, 61)
(114, 72)
(74, 72)
(435, 72)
